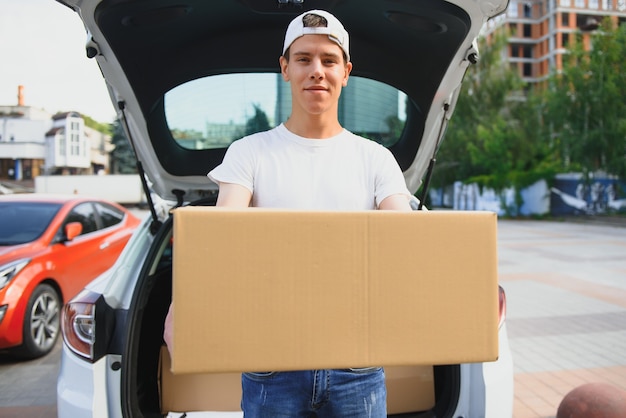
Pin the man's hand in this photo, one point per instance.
(168, 329)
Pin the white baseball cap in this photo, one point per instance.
(334, 29)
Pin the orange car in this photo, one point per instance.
(50, 248)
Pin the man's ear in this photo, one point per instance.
(347, 74)
(284, 63)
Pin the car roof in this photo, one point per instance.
(42, 197)
(51, 198)
(420, 47)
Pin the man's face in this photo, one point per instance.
(317, 72)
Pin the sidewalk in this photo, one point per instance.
(566, 295)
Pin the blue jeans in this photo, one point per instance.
(349, 393)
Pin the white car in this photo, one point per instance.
(191, 76)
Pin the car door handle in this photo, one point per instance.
(104, 245)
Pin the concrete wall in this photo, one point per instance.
(120, 188)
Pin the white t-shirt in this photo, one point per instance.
(283, 170)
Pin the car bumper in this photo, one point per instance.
(11, 325)
(86, 390)
(498, 378)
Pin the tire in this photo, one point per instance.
(42, 322)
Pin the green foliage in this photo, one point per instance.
(122, 157)
(494, 137)
(257, 123)
(105, 128)
(502, 136)
(585, 104)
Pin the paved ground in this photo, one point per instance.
(566, 288)
(28, 388)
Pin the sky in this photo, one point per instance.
(42, 47)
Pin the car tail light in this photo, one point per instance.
(79, 324)
(501, 306)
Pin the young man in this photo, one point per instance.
(312, 162)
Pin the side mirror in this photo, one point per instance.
(72, 230)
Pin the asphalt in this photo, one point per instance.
(28, 388)
(566, 293)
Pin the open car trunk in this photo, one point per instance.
(150, 389)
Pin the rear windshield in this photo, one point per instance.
(214, 111)
(22, 222)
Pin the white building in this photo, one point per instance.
(22, 141)
(67, 149)
(34, 142)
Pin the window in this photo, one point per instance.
(528, 11)
(214, 111)
(22, 222)
(109, 215)
(565, 39)
(74, 144)
(84, 214)
(565, 19)
(528, 51)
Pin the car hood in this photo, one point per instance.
(15, 252)
(147, 47)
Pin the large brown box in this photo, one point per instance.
(259, 289)
(409, 389)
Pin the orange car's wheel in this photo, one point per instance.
(41, 322)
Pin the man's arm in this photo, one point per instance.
(233, 195)
(395, 202)
(230, 195)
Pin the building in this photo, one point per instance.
(22, 141)
(67, 150)
(540, 31)
(34, 142)
(100, 150)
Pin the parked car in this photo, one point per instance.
(190, 77)
(50, 248)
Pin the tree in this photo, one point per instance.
(585, 104)
(105, 128)
(123, 159)
(258, 122)
(494, 137)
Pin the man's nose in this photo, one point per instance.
(317, 69)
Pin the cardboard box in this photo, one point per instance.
(259, 289)
(197, 392)
(409, 389)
